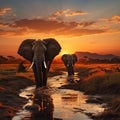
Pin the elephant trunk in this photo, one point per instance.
(39, 60)
(70, 63)
(38, 73)
(39, 68)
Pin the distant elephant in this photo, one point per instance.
(40, 53)
(69, 61)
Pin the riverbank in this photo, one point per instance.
(94, 81)
(10, 101)
(11, 83)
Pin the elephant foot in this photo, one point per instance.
(45, 87)
(41, 88)
(38, 86)
(71, 78)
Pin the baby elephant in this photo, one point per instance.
(69, 61)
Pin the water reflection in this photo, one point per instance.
(53, 103)
(44, 105)
(65, 103)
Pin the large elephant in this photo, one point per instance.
(40, 53)
(69, 61)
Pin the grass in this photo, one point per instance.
(10, 85)
(93, 80)
(104, 84)
(112, 112)
(10, 101)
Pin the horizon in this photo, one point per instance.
(58, 56)
(84, 25)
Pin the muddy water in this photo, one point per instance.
(68, 104)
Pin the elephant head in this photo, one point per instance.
(40, 53)
(69, 61)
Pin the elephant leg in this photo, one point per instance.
(44, 77)
(70, 70)
(35, 75)
(38, 79)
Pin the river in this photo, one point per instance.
(65, 104)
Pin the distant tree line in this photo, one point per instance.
(9, 60)
(85, 60)
(93, 60)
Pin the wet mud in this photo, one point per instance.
(54, 103)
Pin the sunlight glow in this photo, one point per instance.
(64, 52)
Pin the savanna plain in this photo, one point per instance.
(94, 79)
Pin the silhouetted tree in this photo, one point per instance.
(115, 60)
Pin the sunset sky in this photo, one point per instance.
(78, 25)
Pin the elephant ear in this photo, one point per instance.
(25, 49)
(53, 48)
(74, 58)
(65, 58)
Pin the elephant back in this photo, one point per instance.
(53, 48)
(66, 58)
(25, 49)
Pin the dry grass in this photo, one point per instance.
(93, 80)
(10, 85)
(103, 84)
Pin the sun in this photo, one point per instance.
(63, 52)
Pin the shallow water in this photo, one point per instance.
(68, 104)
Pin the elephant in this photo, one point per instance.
(41, 54)
(69, 60)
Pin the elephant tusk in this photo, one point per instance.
(31, 65)
(45, 64)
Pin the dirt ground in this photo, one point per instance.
(104, 80)
(10, 101)
(12, 82)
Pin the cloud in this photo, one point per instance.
(75, 13)
(57, 27)
(86, 24)
(9, 29)
(67, 13)
(7, 15)
(48, 27)
(4, 11)
(4, 25)
(13, 32)
(113, 19)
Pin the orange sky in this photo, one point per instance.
(105, 43)
(77, 25)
